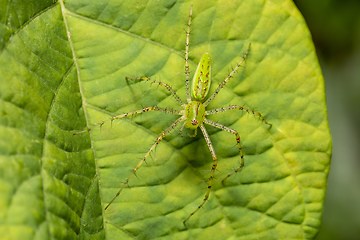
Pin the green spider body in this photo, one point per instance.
(195, 109)
(202, 79)
(194, 114)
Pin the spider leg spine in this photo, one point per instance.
(237, 136)
(236, 107)
(167, 86)
(187, 71)
(223, 83)
(213, 168)
(147, 109)
(157, 141)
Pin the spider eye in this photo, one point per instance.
(194, 122)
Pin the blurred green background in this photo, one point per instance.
(335, 27)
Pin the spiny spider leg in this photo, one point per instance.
(162, 135)
(213, 168)
(237, 136)
(181, 129)
(193, 135)
(168, 87)
(223, 109)
(158, 109)
(222, 84)
(187, 72)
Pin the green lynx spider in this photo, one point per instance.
(193, 114)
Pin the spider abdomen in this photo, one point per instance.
(202, 78)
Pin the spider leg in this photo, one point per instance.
(213, 168)
(181, 129)
(227, 129)
(193, 135)
(147, 109)
(187, 72)
(222, 84)
(168, 87)
(157, 141)
(223, 109)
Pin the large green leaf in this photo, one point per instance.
(62, 69)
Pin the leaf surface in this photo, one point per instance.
(62, 69)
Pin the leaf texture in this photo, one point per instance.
(62, 69)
